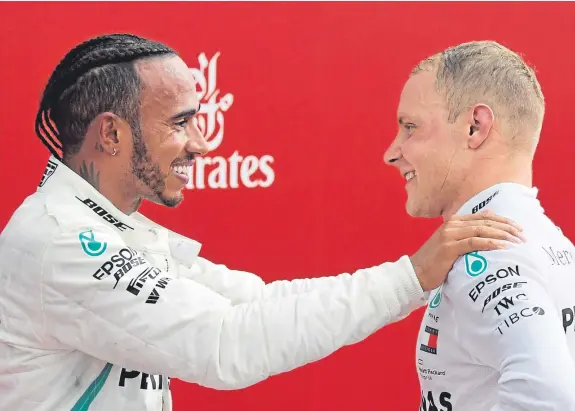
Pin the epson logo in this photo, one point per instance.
(124, 260)
(491, 278)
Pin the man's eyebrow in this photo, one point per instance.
(404, 118)
(186, 113)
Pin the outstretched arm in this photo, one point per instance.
(430, 264)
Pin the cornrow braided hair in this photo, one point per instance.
(96, 76)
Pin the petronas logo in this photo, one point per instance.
(436, 299)
(475, 264)
(89, 244)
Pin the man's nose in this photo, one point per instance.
(393, 152)
(197, 142)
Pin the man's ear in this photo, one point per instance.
(112, 131)
(480, 124)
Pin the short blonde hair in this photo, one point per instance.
(487, 72)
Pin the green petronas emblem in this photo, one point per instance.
(90, 245)
(475, 264)
(434, 303)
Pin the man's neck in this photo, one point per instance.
(515, 171)
(105, 181)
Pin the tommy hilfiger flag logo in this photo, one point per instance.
(50, 169)
(431, 346)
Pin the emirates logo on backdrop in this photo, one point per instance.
(210, 119)
(216, 171)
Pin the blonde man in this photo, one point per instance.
(492, 336)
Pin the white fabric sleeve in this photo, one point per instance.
(510, 323)
(241, 286)
(104, 299)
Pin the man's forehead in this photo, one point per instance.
(419, 93)
(169, 82)
(166, 73)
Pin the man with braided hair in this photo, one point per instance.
(99, 306)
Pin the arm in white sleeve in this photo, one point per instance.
(512, 325)
(241, 286)
(117, 307)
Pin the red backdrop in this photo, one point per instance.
(307, 93)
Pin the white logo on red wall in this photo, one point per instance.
(219, 171)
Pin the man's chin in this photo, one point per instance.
(411, 208)
(417, 210)
(173, 201)
(170, 200)
(412, 212)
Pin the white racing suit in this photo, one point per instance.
(98, 309)
(499, 335)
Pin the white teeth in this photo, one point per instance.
(183, 170)
(410, 175)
